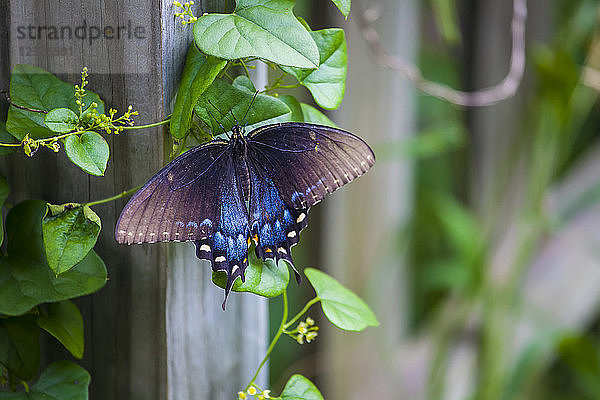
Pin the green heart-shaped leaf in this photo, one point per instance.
(327, 83)
(230, 99)
(89, 151)
(300, 388)
(295, 108)
(20, 346)
(70, 232)
(299, 112)
(266, 29)
(35, 88)
(343, 6)
(198, 73)
(61, 120)
(314, 116)
(62, 380)
(243, 82)
(26, 279)
(343, 308)
(266, 279)
(65, 323)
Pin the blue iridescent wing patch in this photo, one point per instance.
(274, 226)
(227, 248)
(196, 197)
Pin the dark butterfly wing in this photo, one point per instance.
(275, 227)
(307, 161)
(195, 197)
(162, 209)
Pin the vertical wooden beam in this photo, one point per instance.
(211, 354)
(363, 221)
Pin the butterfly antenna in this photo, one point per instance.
(220, 112)
(217, 121)
(236, 121)
(250, 106)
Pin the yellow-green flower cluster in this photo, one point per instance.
(108, 123)
(256, 392)
(80, 90)
(186, 15)
(31, 146)
(305, 331)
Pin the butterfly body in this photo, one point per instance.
(227, 194)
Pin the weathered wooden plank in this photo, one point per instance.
(125, 334)
(211, 354)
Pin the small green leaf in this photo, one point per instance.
(198, 73)
(236, 99)
(262, 278)
(70, 232)
(4, 191)
(65, 323)
(266, 29)
(61, 120)
(20, 346)
(327, 83)
(300, 388)
(26, 280)
(342, 307)
(294, 106)
(314, 116)
(243, 82)
(343, 6)
(7, 138)
(62, 380)
(89, 151)
(35, 88)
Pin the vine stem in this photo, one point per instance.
(115, 197)
(77, 132)
(274, 341)
(305, 309)
(166, 121)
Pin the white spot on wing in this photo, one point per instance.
(235, 268)
(291, 234)
(205, 247)
(301, 217)
(220, 259)
(282, 250)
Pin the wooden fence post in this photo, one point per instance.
(363, 225)
(156, 330)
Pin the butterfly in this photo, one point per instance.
(257, 188)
